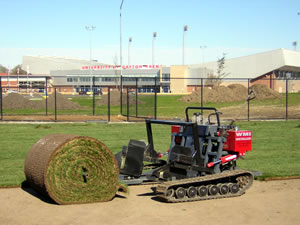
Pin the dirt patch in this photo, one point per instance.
(115, 99)
(17, 101)
(260, 112)
(62, 102)
(263, 92)
(75, 118)
(231, 93)
(273, 202)
(256, 112)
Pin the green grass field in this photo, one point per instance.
(276, 144)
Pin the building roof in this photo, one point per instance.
(256, 65)
(44, 64)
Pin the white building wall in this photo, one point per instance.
(256, 65)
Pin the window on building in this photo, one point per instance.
(128, 79)
(165, 77)
(72, 79)
(107, 79)
(85, 79)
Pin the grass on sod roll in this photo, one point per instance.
(276, 144)
(79, 169)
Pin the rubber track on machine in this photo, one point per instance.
(163, 187)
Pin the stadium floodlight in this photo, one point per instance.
(295, 43)
(129, 44)
(185, 29)
(153, 53)
(203, 47)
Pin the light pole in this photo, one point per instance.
(185, 29)
(129, 44)
(153, 41)
(121, 83)
(295, 42)
(27, 72)
(90, 29)
(18, 73)
(121, 33)
(8, 78)
(203, 47)
(295, 45)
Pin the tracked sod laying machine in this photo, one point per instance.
(201, 162)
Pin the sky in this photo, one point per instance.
(234, 27)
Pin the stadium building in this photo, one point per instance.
(71, 75)
(270, 68)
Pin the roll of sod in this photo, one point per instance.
(72, 169)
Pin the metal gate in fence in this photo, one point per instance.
(135, 103)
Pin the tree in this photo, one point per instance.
(217, 79)
(14, 71)
(221, 66)
(117, 72)
(3, 69)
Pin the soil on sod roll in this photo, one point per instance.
(72, 169)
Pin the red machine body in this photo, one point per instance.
(238, 141)
(175, 129)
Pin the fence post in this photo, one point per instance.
(55, 113)
(1, 99)
(286, 98)
(248, 100)
(121, 88)
(155, 99)
(201, 96)
(136, 97)
(108, 105)
(46, 89)
(127, 105)
(93, 89)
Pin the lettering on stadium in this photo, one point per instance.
(107, 67)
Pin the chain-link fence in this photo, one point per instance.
(274, 98)
(128, 98)
(55, 104)
(140, 101)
